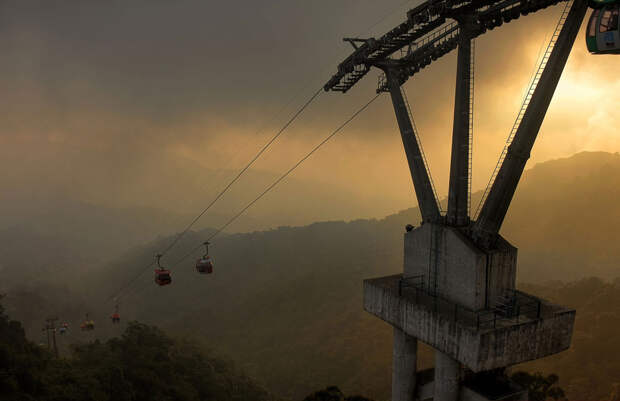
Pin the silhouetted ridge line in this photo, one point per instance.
(282, 177)
(247, 166)
(269, 188)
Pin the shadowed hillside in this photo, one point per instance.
(142, 364)
(286, 303)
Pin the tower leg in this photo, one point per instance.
(421, 180)
(458, 213)
(404, 366)
(447, 378)
(500, 195)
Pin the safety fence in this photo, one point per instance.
(512, 307)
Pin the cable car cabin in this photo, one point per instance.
(602, 35)
(87, 325)
(163, 277)
(116, 318)
(204, 265)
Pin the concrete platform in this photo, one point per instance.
(480, 340)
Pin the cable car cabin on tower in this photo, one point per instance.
(602, 33)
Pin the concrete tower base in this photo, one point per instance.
(404, 366)
(447, 378)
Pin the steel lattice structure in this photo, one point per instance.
(432, 30)
(455, 268)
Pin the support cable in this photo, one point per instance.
(180, 235)
(220, 194)
(282, 177)
(243, 170)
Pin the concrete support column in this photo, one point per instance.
(447, 378)
(404, 366)
(500, 195)
(458, 195)
(421, 180)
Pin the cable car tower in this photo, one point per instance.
(457, 292)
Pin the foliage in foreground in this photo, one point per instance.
(540, 387)
(143, 364)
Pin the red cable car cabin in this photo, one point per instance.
(116, 318)
(204, 265)
(163, 277)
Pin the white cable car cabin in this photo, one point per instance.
(602, 33)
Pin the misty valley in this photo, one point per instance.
(396, 200)
(282, 314)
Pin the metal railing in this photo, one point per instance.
(522, 306)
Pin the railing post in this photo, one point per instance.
(400, 287)
(538, 311)
(494, 319)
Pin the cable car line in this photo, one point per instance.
(147, 267)
(282, 177)
(269, 188)
(247, 166)
(220, 194)
(130, 282)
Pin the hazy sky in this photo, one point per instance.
(143, 102)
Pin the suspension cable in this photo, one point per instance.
(282, 177)
(243, 170)
(191, 224)
(220, 194)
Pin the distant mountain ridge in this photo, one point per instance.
(286, 303)
(288, 283)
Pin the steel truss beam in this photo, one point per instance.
(425, 36)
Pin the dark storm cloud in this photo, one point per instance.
(164, 59)
(105, 98)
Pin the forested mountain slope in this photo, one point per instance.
(286, 303)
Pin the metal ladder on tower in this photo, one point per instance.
(471, 121)
(526, 100)
(417, 137)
